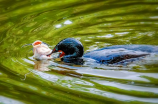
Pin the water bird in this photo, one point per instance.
(72, 51)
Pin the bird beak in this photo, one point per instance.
(53, 51)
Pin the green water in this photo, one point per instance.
(97, 24)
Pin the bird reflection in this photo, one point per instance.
(42, 65)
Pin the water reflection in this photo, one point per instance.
(42, 65)
(67, 22)
(96, 24)
(58, 26)
(6, 100)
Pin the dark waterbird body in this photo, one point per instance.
(71, 51)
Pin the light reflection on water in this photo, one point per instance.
(96, 24)
(6, 100)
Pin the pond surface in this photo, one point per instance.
(97, 24)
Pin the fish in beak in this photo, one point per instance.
(41, 51)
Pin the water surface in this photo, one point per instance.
(97, 24)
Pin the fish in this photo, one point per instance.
(41, 51)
